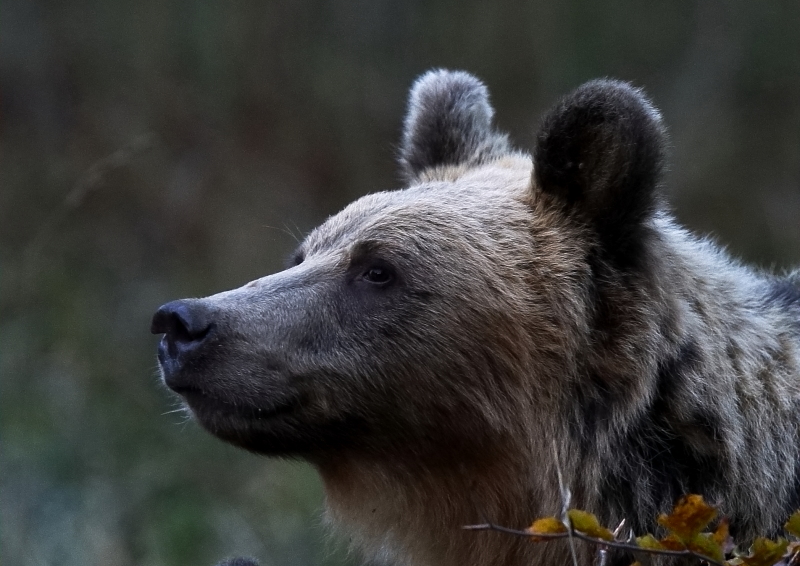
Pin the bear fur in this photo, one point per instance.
(437, 352)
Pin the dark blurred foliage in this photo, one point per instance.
(161, 149)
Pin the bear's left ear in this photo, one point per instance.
(449, 122)
(600, 152)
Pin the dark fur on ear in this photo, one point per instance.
(601, 152)
(449, 122)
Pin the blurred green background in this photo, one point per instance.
(159, 149)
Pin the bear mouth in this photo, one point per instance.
(207, 407)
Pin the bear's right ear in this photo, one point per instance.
(449, 122)
(600, 152)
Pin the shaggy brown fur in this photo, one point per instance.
(431, 344)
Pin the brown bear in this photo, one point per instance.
(436, 351)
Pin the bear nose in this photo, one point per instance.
(182, 321)
(185, 324)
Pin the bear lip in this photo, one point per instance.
(203, 404)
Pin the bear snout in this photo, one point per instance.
(186, 326)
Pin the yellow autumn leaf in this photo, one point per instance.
(792, 526)
(706, 545)
(671, 542)
(722, 534)
(547, 526)
(649, 542)
(766, 552)
(588, 524)
(690, 516)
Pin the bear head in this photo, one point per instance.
(433, 324)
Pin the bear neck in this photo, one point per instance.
(411, 512)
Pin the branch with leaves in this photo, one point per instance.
(687, 536)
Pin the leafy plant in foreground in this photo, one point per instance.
(687, 535)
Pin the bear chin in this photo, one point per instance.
(287, 428)
(258, 429)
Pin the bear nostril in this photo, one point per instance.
(179, 329)
(182, 321)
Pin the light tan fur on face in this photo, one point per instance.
(413, 510)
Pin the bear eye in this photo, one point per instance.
(377, 275)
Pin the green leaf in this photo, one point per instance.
(705, 544)
(649, 542)
(588, 524)
(766, 552)
(792, 526)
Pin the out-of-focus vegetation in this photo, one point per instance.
(152, 150)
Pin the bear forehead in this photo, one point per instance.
(455, 200)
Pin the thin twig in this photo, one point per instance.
(545, 537)
(602, 550)
(566, 497)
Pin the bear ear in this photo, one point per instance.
(600, 152)
(449, 122)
